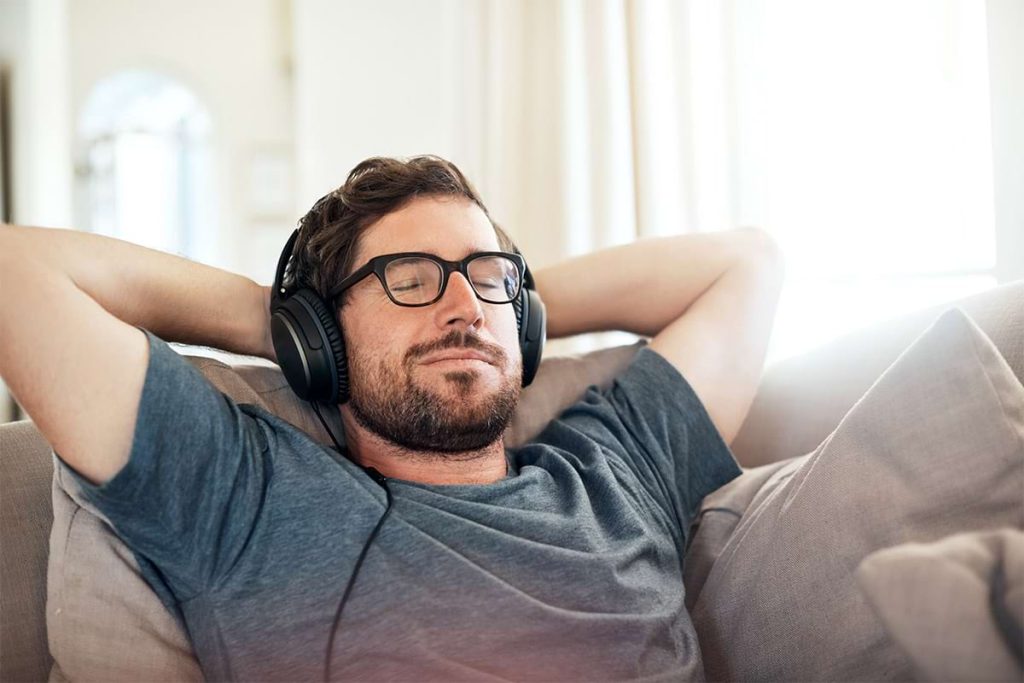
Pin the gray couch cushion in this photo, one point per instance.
(956, 606)
(934, 447)
(801, 399)
(721, 511)
(24, 518)
(103, 620)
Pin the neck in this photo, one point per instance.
(483, 466)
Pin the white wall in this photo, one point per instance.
(13, 47)
(235, 55)
(365, 90)
(33, 46)
(1006, 80)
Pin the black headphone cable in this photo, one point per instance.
(382, 480)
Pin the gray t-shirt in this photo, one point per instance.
(570, 568)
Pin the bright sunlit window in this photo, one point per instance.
(868, 125)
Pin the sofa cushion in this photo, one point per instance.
(105, 622)
(956, 606)
(721, 511)
(24, 522)
(802, 398)
(934, 447)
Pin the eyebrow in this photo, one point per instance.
(475, 250)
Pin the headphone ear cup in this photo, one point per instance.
(310, 348)
(532, 324)
(335, 342)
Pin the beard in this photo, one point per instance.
(386, 400)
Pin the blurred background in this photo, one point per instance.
(881, 142)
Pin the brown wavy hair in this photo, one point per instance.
(330, 231)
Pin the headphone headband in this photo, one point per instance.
(277, 292)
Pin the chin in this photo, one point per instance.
(467, 386)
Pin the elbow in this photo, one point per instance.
(762, 246)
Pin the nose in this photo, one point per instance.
(460, 305)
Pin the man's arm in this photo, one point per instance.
(69, 349)
(707, 299)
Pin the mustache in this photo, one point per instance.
(457, 339)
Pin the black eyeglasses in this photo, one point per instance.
(418, 279)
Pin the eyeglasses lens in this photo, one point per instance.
(495, 278)
(414, 280)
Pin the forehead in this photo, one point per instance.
(450, 227)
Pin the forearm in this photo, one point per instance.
(176, 299)
(639, 287)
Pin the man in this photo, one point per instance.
(558, 560)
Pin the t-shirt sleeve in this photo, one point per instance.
(652, 427)
(194, 482)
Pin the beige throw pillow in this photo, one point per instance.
(105, 623)
(956, 606)
(933, 448)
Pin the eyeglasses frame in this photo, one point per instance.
(378, 264)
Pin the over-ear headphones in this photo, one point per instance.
(311, 349)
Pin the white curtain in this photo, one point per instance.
(603, 121)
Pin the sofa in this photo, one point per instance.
(856, 508)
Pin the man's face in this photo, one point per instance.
(399, 390)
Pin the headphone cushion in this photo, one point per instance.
(334, 338)
(517, 306)
(532, 335)
(530, 319)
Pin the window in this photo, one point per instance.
(144, 171)
(865, 148)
